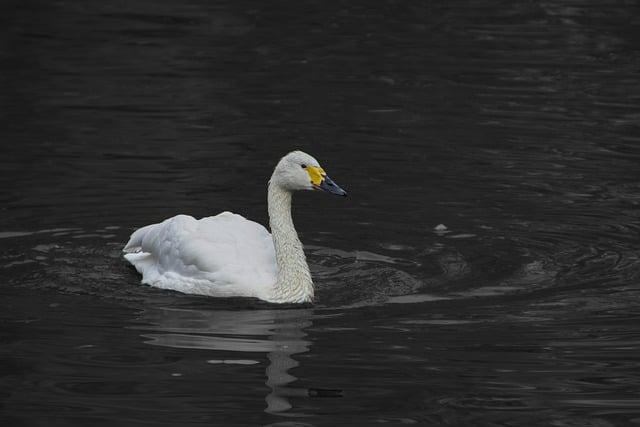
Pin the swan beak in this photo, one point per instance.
(331, 187)
(321, 181)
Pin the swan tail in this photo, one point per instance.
(144, 264)
(143, 261)
(135, 241)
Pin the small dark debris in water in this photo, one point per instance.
(325, 392)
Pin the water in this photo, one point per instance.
(514, 125)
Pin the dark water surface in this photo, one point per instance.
(514, 124)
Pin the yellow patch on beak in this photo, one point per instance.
(316, 174)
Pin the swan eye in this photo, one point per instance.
(303, 166)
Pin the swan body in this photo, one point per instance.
(222, 255)
(227, 255)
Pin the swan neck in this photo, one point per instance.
(293, 282)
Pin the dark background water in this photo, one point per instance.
(515, 124)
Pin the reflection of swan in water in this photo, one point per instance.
(288, 340)
(239, 331)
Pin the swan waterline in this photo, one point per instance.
(229, 256)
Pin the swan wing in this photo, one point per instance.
(222, 255)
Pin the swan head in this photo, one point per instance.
(300, 171)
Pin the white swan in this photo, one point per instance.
(227, 255)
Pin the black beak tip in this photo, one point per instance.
(331, 187)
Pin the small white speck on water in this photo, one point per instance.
(441, 229)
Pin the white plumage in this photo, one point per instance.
(223, 255)
(227, 255)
